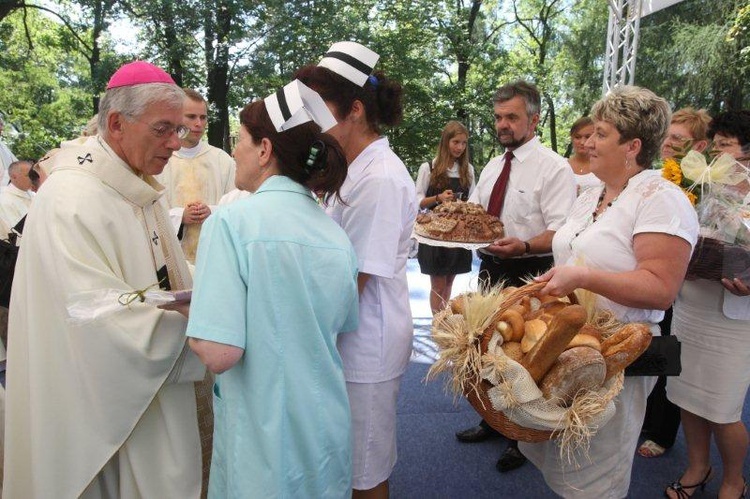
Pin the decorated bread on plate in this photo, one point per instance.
(458, 221)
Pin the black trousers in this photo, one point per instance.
(512, 270)
(662, 417)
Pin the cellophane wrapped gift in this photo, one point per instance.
(723, 248)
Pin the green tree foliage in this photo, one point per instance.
(579, 64)
(688, 55)
(449, 55)
(46, 97)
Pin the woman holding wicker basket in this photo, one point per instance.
(628, 242)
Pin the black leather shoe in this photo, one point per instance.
(510, 460)
(478, 433)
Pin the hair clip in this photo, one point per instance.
(317, 156)
(373, 80)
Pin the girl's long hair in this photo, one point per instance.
(444, 160)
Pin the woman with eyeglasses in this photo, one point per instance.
(687, 130)
(712, 320)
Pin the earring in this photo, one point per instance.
(627, 163)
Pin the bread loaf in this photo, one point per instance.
(550, 299)
(562, 329)
(533, 332)
(626, 345)
(591, 330)
(525, 302)
(579, 368)
(513, 350)
(518, 308)
(515, 322)
(585, 340)
(553, 307)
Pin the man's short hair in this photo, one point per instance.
(194, 95)
(520, 88)
(14, 166)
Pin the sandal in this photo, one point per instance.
(681, 490)
(649, 448)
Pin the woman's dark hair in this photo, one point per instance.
(380, 96)
(323, 171)
(582, 122)
(732, 124)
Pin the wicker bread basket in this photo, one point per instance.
(499, 421)
(462, 352)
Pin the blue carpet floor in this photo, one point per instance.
(433, 464)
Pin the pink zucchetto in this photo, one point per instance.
(137, 73)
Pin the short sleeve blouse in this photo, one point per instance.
(649, 203)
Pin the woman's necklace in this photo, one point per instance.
(579, 165)
(596, 213)
(596, 216)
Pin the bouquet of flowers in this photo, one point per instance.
(719, 188)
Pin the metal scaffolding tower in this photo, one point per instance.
(622, 43)
(622, 38)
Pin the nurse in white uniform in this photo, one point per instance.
(377, 210)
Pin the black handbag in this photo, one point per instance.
(8, 257)
(661, 358)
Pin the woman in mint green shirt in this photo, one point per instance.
(275, 283)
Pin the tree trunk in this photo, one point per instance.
(463, 51)
(173, 45)
(552, 120)
(100, 25)
(217, 62)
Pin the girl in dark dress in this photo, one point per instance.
(449, 177)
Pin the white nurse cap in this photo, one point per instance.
(296, 104)
(351, 60)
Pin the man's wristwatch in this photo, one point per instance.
(528, 248)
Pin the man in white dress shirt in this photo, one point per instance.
(196, 177)
(538, 193)
(15, 199)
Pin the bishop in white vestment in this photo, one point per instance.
(104, 408)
